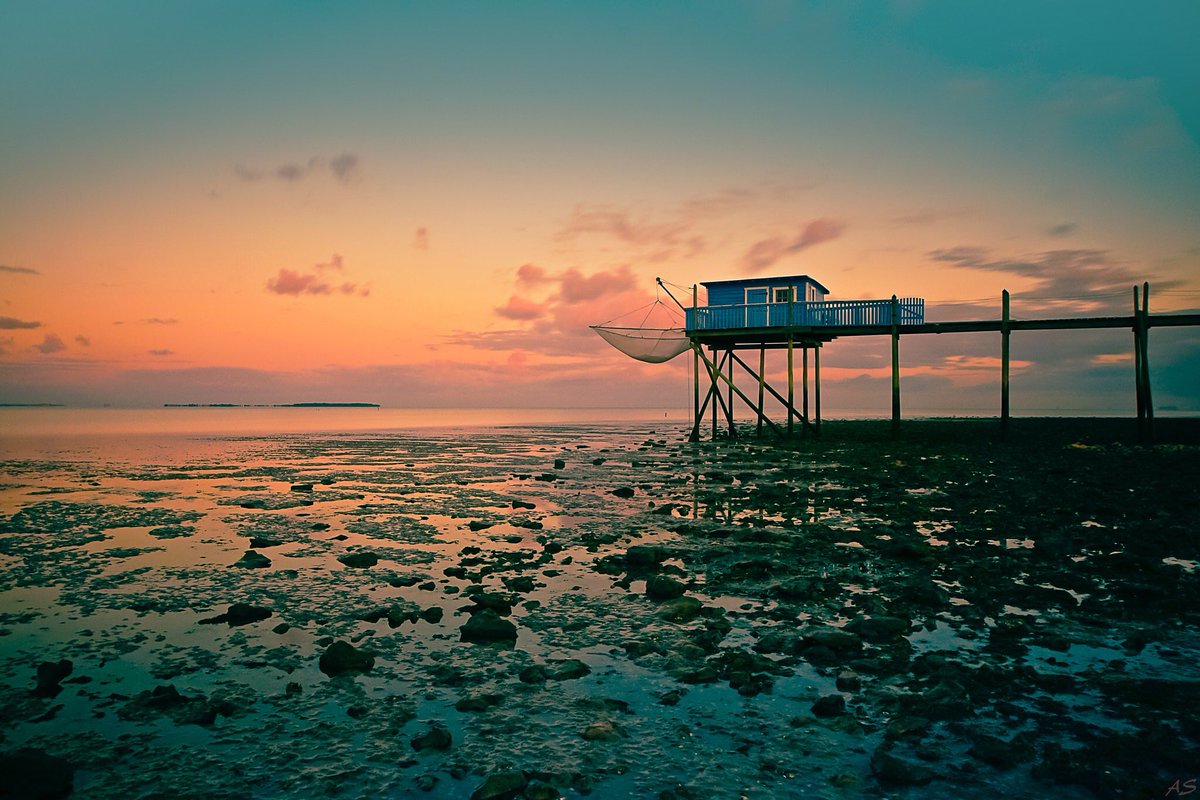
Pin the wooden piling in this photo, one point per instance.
(817, 387)
(1144, 362)
(762, 384)
(804, 382)
(729, 408)
(1004, 364)
(695, 436)
(791, 379)
(895, 366)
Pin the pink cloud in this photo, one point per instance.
(531, 274)
(764, 253)
(518, 308)
(577, 287)
(421, 238)
(295, 283)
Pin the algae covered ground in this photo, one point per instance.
(540, 612)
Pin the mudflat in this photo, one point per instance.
(565, 610)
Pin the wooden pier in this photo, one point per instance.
(727, 330)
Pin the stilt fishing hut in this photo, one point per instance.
(782, 313)
(791, 313)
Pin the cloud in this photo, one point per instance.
(18, 270)
(531, 275)
(296, 283)
(83, 341)
(664, 239)
(766, 252)
(421, 238)
(160, 321)
(1081, 280)
(518, 308)
(1064, 229)
(161, 352)
(14, 324)
(334, 263)
(344, 168)
(577, 287)
(50, 344)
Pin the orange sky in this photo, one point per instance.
(194, 211)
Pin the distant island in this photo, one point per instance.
(270, 405)
(31, 405)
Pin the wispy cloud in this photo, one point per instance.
(344, 168)
(162, 352)
(1063, 229)
(14, 324)
(18, 270)
(296, 283)
(766, 252)
(161, 321)
(83, 341)
(1083, 280)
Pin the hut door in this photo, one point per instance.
(756, 308)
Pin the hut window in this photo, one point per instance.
(782, 295)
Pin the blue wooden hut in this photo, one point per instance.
(791, 301)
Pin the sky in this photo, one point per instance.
(427, 203)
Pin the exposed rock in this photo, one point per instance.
(302, 487)
(342, 658)
(49, 675)
(33, 773)
(892, 770)
(644, 556)
(239, 614)
(259, 542)
(603, 731)
(435, 737)
(252, 560)
(534, 673)
(879, 629)
(663, 587)
(560, 463)
(432, 615)
(570, 669)
(167, 701)
(500, 603)
(835, 639)
(624, 492)
(360, 560)
(488, 626)
(848, 681)
(480, 702)
(830, 705)
(501, 786)
(681, 609)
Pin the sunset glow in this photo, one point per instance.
(428, 204)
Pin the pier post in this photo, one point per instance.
(716, 390)
(762, 384)
(791, 382)
(695, 435)
(804, 382)
(1004, 364)
(817, 387)
(1146, 353)
(1137, 363)
(895, 367)
(729, 408)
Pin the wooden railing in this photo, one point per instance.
(911, 311)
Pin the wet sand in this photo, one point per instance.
(561, 611)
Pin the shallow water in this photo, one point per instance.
(114, 551)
